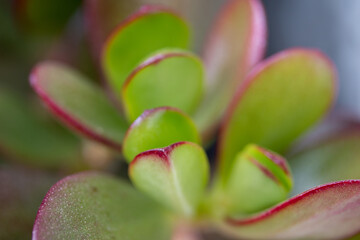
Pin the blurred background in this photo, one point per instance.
(36, 151)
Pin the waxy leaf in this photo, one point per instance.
(150, 29)
(78, 103)
(21, 192)
(330, 211)
(176, 175)
(280, 99)
(171, 78)
(259, 179)
(92, 205)
(158, 128)
(236, 43)
(333, 159)
(31, 139)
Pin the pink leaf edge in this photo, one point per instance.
(258, 33)
(142, 12)
(261, 67)
(66, 118)
(340, 201)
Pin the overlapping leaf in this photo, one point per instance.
(173, 78)
(281, 98)
(158, 128)
(150, 29)
(175, 176)
(236, 43)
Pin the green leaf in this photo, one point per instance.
(158, 128)
(78, 103)
(237, 42)
(171, 78)
(281, 98)
(333, 159)
(93, 205)
(30, 139)
(326, 212)
(21, 192)
(175, 176)
(150, 29)
(259, 179)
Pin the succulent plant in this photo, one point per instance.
(161, 108)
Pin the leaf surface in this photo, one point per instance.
(280, 99)
(93, 205)
(158, 128)
(78, 103)
(326, 212)
(150, 29)
(170, 78)
(175, 176)
(237, 42)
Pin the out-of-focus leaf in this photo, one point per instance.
(92, 205)
(43, 16)
(30, 139)
(258, 179)
(158, 128)
(150, 29)
(171, 78)
(326, 212)
(237, 42)
(335, 159)
(175, 176)
(280, 99)
(78, 103)
(21, 192)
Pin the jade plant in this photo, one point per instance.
(165, 106)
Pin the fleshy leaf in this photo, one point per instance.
(280, 99)
(175, 176)
(158, 128)
(78, 103)
(171, 78)
(236, 43)
(259, 179)
(326, 212)
(92, 205)
(21, 191)
(150, 29)
(30, 139)
(333, 159)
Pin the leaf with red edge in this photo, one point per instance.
(170, 77)
(175, 176)
(150, 29)
(330, 211)
(158, 128)
(236, 43)
(280, 99)
(93, 205)
(78, 103)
